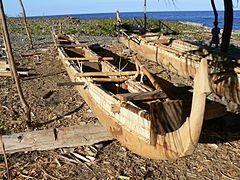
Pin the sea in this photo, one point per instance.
(204, 18)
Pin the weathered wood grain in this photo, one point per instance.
(55, 138)
(141, 96)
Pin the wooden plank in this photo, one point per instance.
(31, 54)
(120, 73)
(214, 110)
(71, 45)
(67, 40)
(8, 73)
(4, 66)
(89, 58)
(71, 84)
(55, 138)
(237, 69)
(141, 96)
(109, 79)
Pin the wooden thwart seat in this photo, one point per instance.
(121, 73)
(142, 96)
(89, 58)
(71, 45)
(109, 79)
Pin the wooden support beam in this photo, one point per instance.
(121, 73)
(141, 96)
(55, 138)
(89, 58)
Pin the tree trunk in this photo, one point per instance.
(215, 12)
(228, 23)
(145, 14)
(12, 64)
(26, 25)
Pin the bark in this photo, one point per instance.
(26, 25)
(228, 24)
(12, 64)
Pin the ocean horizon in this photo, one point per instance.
(204, 18)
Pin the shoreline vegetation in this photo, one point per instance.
(106, 27)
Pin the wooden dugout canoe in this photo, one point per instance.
(184, 59)
(131, 110)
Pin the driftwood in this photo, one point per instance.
(55, 138)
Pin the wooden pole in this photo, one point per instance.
(145, 14)
(12, 64)
(26, 25)
(148, 74)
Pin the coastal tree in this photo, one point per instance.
(24, 19)
(228, 24)
(215, 12)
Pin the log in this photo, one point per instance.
(141, 96)
(55, 138)
(120, 73)
(89, 58)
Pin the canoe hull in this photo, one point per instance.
(227, 86)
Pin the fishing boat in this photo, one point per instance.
(183, 58)
(132, 105)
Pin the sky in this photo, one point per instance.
(61, 7)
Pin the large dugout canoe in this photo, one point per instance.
(184, 59)
(135, 113)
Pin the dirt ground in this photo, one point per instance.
(216, 157)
